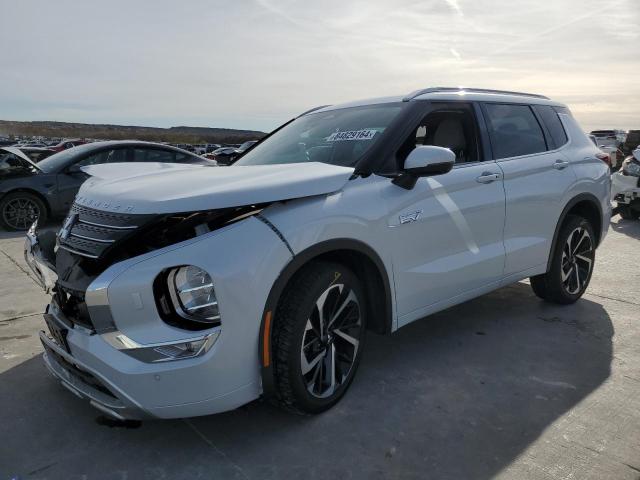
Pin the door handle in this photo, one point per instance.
(560, 164)
(488, 177)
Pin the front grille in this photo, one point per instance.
(73, 307)
(92, 232)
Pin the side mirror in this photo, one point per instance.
(424, 161)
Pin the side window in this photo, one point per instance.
(105, 156)
(153, 155)
(514, 130)
(451, 128)
(554, 125)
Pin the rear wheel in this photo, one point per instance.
(18, 210)
(318, 337)
(571, 263)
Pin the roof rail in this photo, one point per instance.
(313, 110)
(417, 93)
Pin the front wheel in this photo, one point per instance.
(318, 337)
(18, 210)
(571, 263)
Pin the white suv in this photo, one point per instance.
(187, 291)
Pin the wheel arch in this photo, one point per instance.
(32, 192)
(586, 205)
(366, 265)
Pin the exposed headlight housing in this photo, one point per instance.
(187, 298)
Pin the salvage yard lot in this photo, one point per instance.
(504, 386)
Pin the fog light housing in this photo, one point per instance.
(162, 352)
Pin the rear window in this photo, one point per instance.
(554, 125)
(514, 130)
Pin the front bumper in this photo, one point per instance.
(94, 366)
(87, 384)
(42, 269)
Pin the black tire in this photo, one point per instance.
(297, 320)
(627, 213)
(18, 210)
(572, 264)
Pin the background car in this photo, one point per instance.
(37, 154)
(66, 144)
(228, 155)
(30, 190)
(223, 155)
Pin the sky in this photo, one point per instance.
(255, 64)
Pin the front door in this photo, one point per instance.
(446, 234)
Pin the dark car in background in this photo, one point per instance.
(228, 155)
(36, 154)
(30, 190)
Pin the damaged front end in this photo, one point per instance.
(68, 261)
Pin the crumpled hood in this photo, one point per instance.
(143, 188)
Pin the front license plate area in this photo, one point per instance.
(57, 332)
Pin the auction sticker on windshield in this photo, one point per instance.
(351, 135)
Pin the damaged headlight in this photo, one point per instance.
(187, 298)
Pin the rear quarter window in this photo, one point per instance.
(553, 124)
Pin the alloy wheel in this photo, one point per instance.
(20, 213)
(331, 340)
(577, 260)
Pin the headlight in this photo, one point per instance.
(632, 168)
(186, 298)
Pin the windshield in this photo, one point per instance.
(339, 137)
(60, 159)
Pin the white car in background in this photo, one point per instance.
(182, 291)
(625, 187)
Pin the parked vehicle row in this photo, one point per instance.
(185, 291)
(625, 187)
(30, 190)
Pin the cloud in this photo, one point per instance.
(256, 63)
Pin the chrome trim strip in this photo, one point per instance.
(97, 240)
(112, 227)
(198, 307)
(195, 289)
(82, 254)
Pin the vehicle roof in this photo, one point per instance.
(87, 147)
(450, 94)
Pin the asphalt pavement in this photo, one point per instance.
(504, 386)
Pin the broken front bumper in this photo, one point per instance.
(80, 379)
(42, 269)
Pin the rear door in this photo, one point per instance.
(528, 143)
(446, 232)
